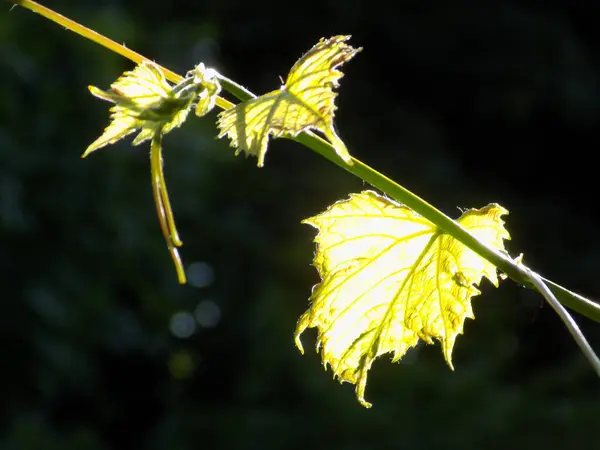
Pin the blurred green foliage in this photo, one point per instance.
(102, 349)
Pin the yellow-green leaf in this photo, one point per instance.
(144, 101)
(306, 101)
(207, 97)
(390, 278)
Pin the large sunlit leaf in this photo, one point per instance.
(306, 101)
(391, 278)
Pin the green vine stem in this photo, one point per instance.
(513, 269)
(571, 325)
(102, 40)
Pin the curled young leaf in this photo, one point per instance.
(389, 278)
(206, 78)
(305, 102)
(145, 101)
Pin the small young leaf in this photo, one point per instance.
(145, 101)
(389, 278)
(207, 98)
(306, 101)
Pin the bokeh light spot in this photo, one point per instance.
(208, 314)
(200, 274)
(181, 364)
(182, 325)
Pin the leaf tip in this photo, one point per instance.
(365, 403)
(362, 385)
(447, 345)
(310, 221)
(102, 95)
(91, 148)
(298, 343)
(300, 327)
(339, 146)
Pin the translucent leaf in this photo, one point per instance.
(390, 278)
(306, 101)
(144, 101)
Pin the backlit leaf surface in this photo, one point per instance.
(389, 279)
(306, 101)
(145, 101)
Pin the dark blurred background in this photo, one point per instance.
(463, 102)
